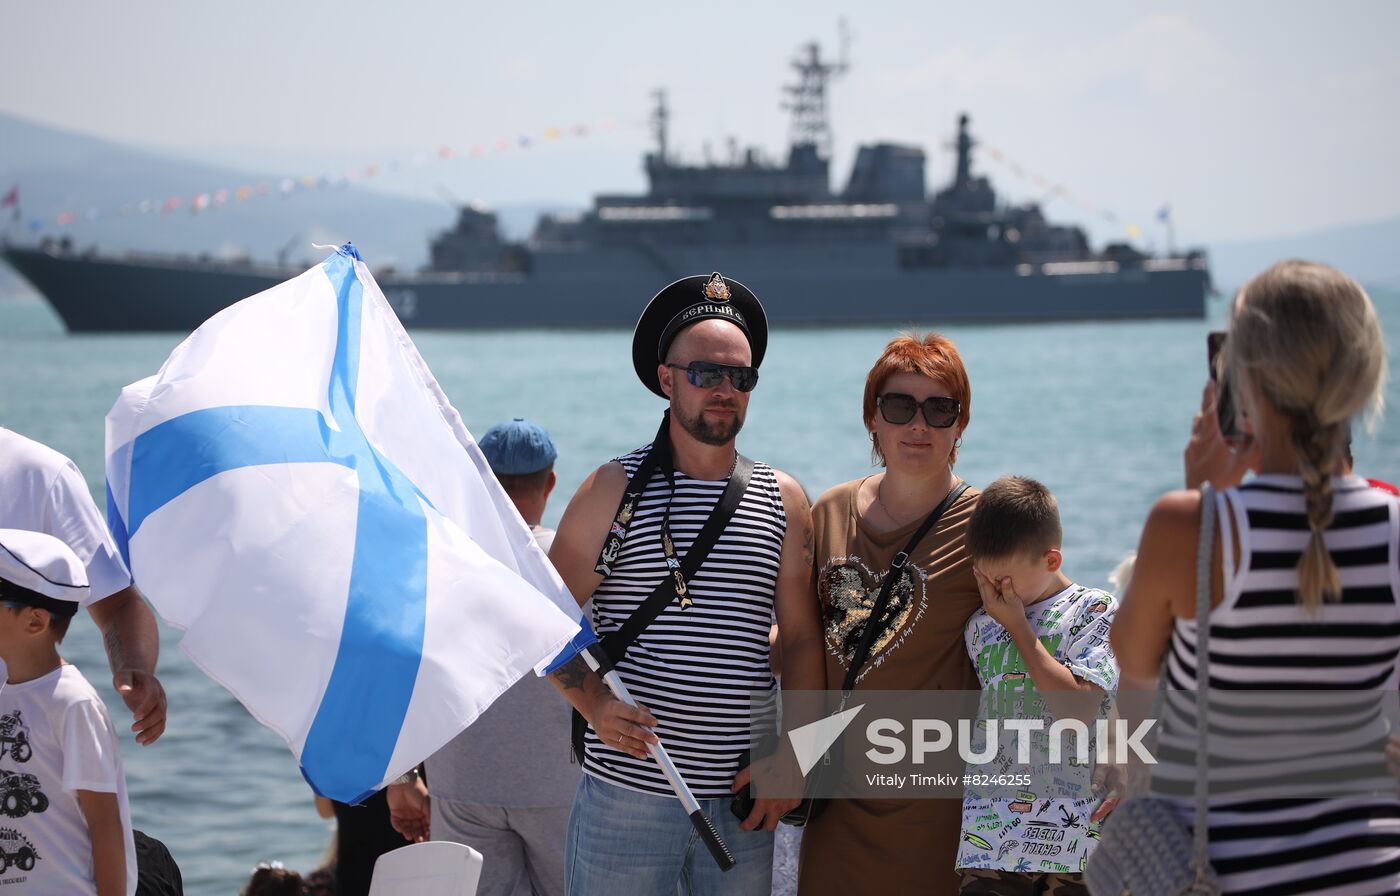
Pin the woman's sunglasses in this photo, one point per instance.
(939, 412)
(708, 375)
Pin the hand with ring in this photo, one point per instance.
(628, 728)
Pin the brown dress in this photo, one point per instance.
(861, 846)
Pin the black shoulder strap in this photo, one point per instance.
(883, 600)
(658, 455)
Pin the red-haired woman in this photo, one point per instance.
(917, 402)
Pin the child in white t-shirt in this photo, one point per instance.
(1039, 638)
(66, 827)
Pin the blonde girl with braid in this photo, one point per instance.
(1305, 577)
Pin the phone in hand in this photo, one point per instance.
(741, 803)
(1224, 395)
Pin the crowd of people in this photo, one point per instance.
(709, 577)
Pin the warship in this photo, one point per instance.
(880, 250)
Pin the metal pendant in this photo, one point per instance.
(675, 566)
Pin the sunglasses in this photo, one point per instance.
(708, 375)
(939, 412)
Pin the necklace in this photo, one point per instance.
(886, 511)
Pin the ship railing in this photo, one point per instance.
(835, 211)
(655, 213)
(1188, 263)
(1080, 268)
(1064, 268)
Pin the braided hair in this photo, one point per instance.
(1306, 339)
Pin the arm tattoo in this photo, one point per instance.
(572, 674)
(808, 552)
(116, 650)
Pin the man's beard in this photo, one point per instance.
(707, 433)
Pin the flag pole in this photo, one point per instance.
(702, 823)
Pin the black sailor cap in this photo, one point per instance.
(687, 301)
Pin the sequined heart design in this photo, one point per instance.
(849, 588)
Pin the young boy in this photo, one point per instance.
(68, 829)
(1038, 635)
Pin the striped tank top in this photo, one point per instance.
(1332, 671)
(696, 668)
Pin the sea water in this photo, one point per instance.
(1099, 412)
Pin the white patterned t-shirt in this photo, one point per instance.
(55, 739)
(1036, 832)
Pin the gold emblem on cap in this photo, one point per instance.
(716, 288)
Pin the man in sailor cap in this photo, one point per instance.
(694, 662)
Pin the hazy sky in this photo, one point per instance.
(1252, 119)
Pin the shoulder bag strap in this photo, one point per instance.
(1200, 854)
(659, 453)
(883, 600)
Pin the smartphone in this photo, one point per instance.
(1224, 395)
(741, 803)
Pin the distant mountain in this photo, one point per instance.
(1368, 252)
(60, 171)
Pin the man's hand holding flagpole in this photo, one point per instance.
(597, 661)
(617, 719)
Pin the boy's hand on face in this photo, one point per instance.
(1000, 600)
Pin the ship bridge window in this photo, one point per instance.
(1166, 264)
(631, 213)
(1061, 268)
(834, 211)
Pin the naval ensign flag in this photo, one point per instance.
(295, 492)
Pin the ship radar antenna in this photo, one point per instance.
(811, 122)
(447, 196)
(660, 122)
(963, 173)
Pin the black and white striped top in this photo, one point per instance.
(1297, 698)
(695, 668)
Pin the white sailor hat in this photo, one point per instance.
(38, 570)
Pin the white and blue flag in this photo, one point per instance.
(294, 491)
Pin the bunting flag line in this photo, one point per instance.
(1060, 191)
(206, 200)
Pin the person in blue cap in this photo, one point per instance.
(522, 456)
(510, 805)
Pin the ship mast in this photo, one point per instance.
(964, 144)
(806, 101)
(660, 121)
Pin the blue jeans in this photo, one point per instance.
(625, 843)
